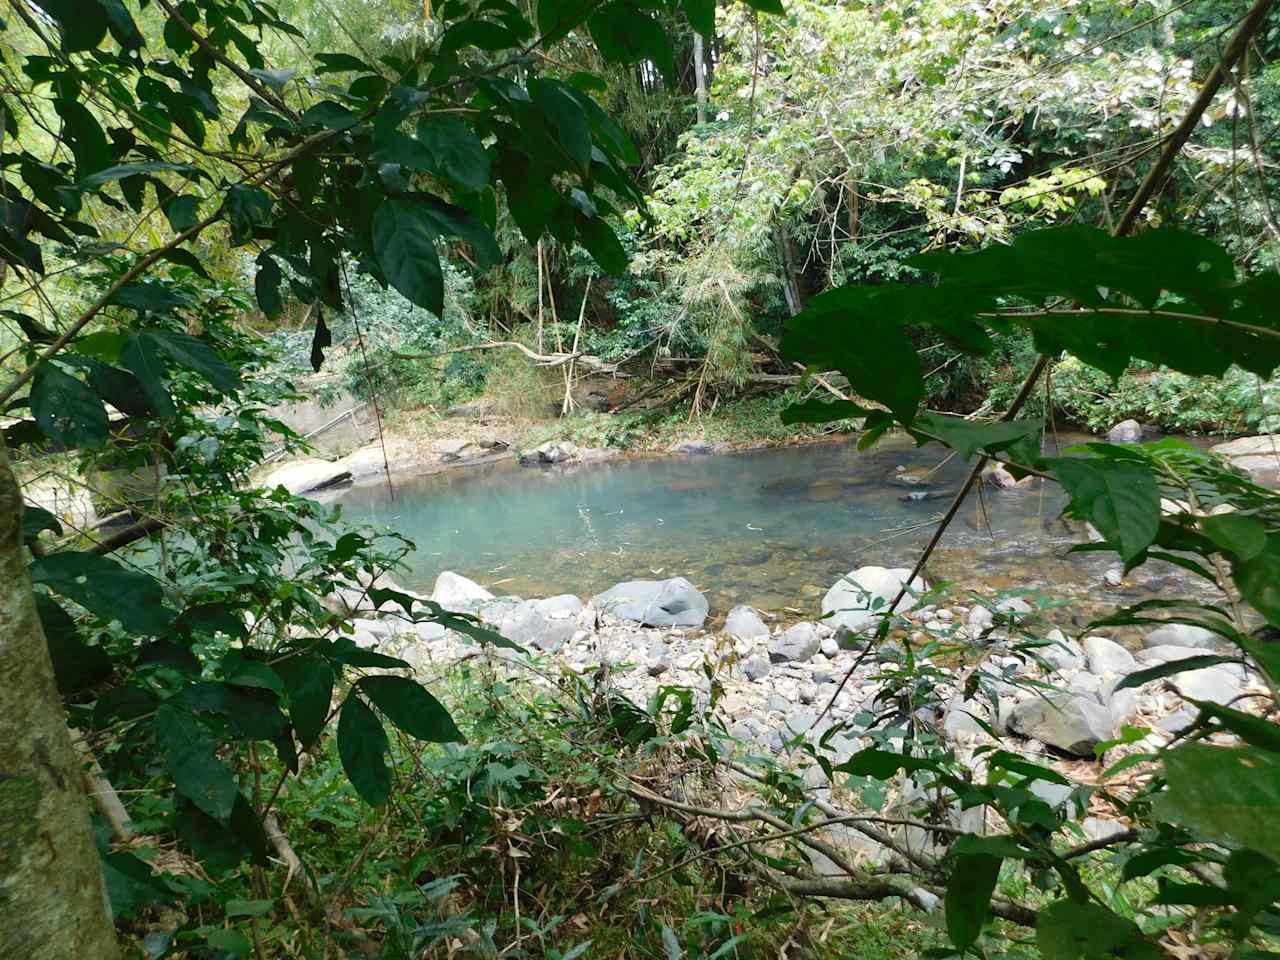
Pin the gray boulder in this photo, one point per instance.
(1070, 722)
(307, 476)
(456, 593)
(1063, 652)
(528, 626)
(858, 600)
(1126, 431)
(1209, 683)
(696, 447)
(745, 622)
(1258, 456)
(1106, 656)
(553, 451)
(757, 668)
(655, 603)
(563, 607)
(1181, 635)
(797, 643)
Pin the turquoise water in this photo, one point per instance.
(774, 527)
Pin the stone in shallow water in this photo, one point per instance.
(655, 603)
(1126, 431)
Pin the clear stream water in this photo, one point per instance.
(773, 528)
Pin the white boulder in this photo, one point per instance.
(858, 600)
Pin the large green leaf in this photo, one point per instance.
(106, 589)
(67, 410)
(565, 116)
(309, 680)
(846, 329)
(83, 22)
(118, 387)
(973, 880)
(1246, 537)
(456, 152)
(142, 356)
(1230, 794)
(196, 354)
(247, 209)
(1258, 580)
(603, 244)
(701, 15)
(452, 221)
(411, 707)
(1120, 498)
(404, 238)
(76, 665)
(967, 437)
(1067, 930)
(189, 757)
(362, 747)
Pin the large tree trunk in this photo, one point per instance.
(52, 900)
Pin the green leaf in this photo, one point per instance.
(83, 22)
(123, 170)
(816, 410)
(1067, 930)
(363, 747)
(404, 242)
(1246, 537)
(1258, 580)
(131, 886)
(67, 410)
(35, 520)
(275, 79)
(603, 245)
(836, 331)
(411, 707)
(76, 665)
(309, 681)
(182, 212)
(701, 15)
(1120, 498)
(973, 880)
(967, 437)
(330, 115)
(248, 908)
(266, 286)
(149, 296)
(345, 651)
(1000, 847)
(883, 764)
(556, 18)
(456, 152)
(564, 115)
(142, 357)
(341, 63)
(121, 24)
(106, 589)
(1253, 882)
(321, 340)
(452, 221)
(189, 757)
(194, 353)
(247, 209)
(1230, 794)
(1253, 730)
(624, 34)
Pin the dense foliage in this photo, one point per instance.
(414, 179)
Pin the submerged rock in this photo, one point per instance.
(655, 603)
(456, 593)
(857, 601)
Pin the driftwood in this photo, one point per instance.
(541, 359)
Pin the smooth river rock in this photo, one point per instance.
(1072, 722)
(307, 476)
(1258, 456)
(796, 643)
(1181, 635)
(1126, 431)
(1106, 656)
(745, 623)
(655, 603)
(455, 592)
(857, 601)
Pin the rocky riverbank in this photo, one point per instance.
(1001, 673)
